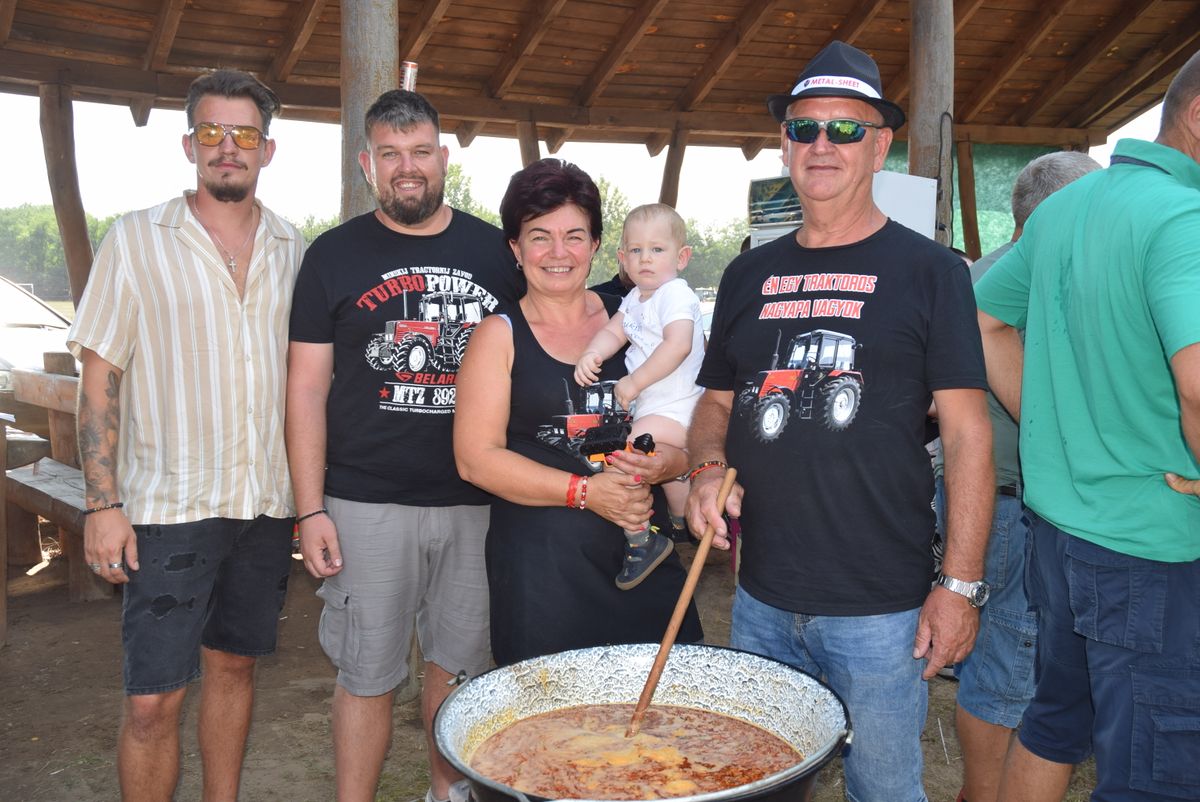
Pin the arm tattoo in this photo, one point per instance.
(99, 429)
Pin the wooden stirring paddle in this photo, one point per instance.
(685, 598)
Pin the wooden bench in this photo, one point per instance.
(50, 488)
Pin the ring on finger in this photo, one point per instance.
(116, 566)
(95, 567)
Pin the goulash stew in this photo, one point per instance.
(582, 753)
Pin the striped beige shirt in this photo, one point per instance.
(202, 396)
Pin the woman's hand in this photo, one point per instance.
(664, 465)
(621, 498)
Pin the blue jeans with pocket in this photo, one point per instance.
(868, 661)
(1118, 669)
(996, 680)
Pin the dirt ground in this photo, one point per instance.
(60, 697)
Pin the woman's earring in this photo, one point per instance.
(519, 268)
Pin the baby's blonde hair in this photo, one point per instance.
(657, 211)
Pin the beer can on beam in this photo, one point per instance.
(408, 75)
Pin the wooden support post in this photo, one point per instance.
(3, 533)
(966, 199)
(64, 446)
(527, 139)
(58, 141)
(669, 193)
(370, 67)
(930, 120)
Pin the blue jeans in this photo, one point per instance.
(1118, 666)
(996, 679)
(867, 660)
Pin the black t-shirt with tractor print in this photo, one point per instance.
(832, 355)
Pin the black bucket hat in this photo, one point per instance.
(840, 70)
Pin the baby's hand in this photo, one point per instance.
(587, 370)
(625, 392)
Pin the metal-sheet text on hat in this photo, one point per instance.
(839, 81)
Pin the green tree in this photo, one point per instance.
(312, 227)
(714, 246)
(614, 208)
(458, 195)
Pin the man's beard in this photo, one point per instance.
(226, 193)
(412, 211)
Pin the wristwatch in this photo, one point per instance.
(977, 592)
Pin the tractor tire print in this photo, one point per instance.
(771, 416)
(842, 398)
(412, 355)
(376, 353)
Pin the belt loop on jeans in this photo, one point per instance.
(1009, 490)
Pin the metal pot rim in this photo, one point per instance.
(812, 761)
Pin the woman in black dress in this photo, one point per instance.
(555, 540)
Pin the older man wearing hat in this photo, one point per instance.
(827, 347)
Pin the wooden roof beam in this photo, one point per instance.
(116, 84)
(296, 40)
(555, 138)
(139, 107)
(1093, 50)
(8, 9)
(963, 11)
(467, 132)
(1164, 71)
(657, 141)
(1027, 41)
(1164, 52)
(635, 28)
(421, 29)
(752, 147)
(522, 48)
(163, 37)
(744, 28)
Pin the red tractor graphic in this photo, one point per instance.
(819, 375)
(599, 427)
(438, 336)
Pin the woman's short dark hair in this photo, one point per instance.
(232, 84)
(544, 186)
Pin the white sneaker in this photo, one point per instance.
(460, 791)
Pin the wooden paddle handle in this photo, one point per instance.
(685, 598)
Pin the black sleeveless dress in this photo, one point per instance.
(551, 569)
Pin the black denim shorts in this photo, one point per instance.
(217, 582)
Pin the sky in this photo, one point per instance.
(123, 167)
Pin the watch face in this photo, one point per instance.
(979, 594)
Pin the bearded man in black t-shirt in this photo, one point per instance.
(384, 306)
(826, 350)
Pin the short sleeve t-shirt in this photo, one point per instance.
(644, 322)
(1105, 280)
(399, 311)
(832, 355)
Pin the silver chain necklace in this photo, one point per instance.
(230, 257)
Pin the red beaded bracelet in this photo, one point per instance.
(704, 466)
(583, 493)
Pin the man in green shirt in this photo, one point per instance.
(996, 679)
(1105, 281)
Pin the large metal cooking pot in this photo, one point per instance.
(787, 702)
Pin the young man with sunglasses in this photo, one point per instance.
(827, 347)
(182, 331)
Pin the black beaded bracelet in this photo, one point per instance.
(116, 505)
(321, 511)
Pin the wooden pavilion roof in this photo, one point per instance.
(1026, 71)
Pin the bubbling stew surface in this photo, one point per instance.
(582, 753)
